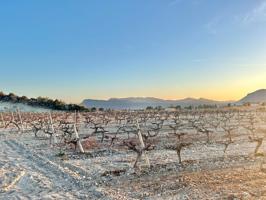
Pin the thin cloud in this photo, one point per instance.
(174, 2)
(255, 15)
(212, 25)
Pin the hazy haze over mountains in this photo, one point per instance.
(258, 96)
(143, 102)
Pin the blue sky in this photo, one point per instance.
(76, 49)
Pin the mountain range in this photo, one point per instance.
(144, 102)
(258, 96)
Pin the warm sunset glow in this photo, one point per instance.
(164, 51)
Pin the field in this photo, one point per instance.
(183, 154)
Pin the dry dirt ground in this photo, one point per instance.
(31, 169)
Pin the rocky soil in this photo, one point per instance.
(32, 169)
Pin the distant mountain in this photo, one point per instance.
(144, 102)
(258, 96)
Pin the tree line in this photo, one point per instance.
(42, 102)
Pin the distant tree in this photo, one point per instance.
(1, 94)
(12, 97)
(189, 107)
(93, 109)
(178, 107)
(23, 99)
(158, 108)
(149, 108)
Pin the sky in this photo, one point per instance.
(98, 49)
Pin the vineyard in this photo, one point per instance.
(183, 154)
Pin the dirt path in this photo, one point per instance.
(26, 175)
